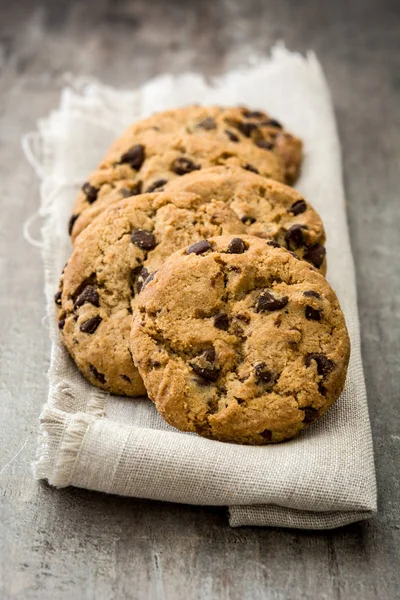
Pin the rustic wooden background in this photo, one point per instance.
(140, 549)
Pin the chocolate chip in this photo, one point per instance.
(253, 114)
(90, 280)
(247, 128)
(237, 246)
(266, 301)
(143, 239)
(315, 254)
(205, 367)
(221, 321)
(311, 294)
(264, 144)
(89, 294)
(126, 378)
(310, 414)
(274, 244)
(244, 318)
(232, 136)
(71, 223)
(208, 123)
(267, 435)
(57, 298)
(91, 325)
(183, 165)
(134, 156)
(209, 354)
(322, 389)
(96, 374)
(247, 220)
(132, 191)
(298, 207)
(312, 314)
(199, 247)
(90, 192)
(324, 364)
(148, 279)
(250, 167)
(265, 375)
(61, 324)
(294, 236)
(155, 185)
(140, 274)
(271, 123)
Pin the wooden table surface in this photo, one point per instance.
(143, 549)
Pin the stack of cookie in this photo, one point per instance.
(197, 278)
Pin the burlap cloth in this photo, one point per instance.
(93, 440)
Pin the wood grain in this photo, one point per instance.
(137, 549)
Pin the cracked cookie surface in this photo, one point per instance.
(146, 161)
(268, 209)
(110, 263)
(239, 341)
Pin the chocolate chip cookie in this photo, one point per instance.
(268, 208)
(239, 341)
(112, 260)
(233, 124)
(145, 162)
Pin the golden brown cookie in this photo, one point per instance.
(111, 260)
(233, 124)
(268, 208)
(240, 341)
(147, 161)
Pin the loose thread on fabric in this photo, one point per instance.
(15, 456)
(29, 141)
(26, 233)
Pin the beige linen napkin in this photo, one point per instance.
(93, 440)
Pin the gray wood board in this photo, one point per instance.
(78, 544)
